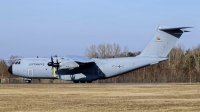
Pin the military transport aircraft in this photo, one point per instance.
(83, 69)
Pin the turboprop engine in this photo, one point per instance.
(65, 64)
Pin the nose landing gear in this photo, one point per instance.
(27, 80)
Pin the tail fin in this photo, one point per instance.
(163, 41)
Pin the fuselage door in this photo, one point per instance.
(30, 72)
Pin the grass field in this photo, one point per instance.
(99, 97)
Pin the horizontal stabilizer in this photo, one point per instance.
(176, 28)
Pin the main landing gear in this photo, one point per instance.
(82, 81)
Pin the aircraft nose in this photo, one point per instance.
(10, 69)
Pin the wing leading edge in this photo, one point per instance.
(80, 59)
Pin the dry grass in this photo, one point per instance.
(98, 97)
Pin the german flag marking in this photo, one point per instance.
(158, 39)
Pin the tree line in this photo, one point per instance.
(182, 66)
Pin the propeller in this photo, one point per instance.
(54, 64)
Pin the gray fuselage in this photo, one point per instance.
(99, 68)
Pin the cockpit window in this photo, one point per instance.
(18, 62)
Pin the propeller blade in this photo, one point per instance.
(57, 62)
(52, 63)
(51, 59)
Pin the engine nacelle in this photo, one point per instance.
(68, 65)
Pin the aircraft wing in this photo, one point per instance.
(71, 62)
(80, 59)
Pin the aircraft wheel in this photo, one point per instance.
(28, 81)
(89, 81)
(82, 81)
(76, 81)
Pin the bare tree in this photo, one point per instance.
(92, 51)
(109, 51)
(105, 51)
(4, 69)
(101, 48)
(117, 49)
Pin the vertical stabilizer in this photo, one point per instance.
(163, 41)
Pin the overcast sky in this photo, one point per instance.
(31, 28)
